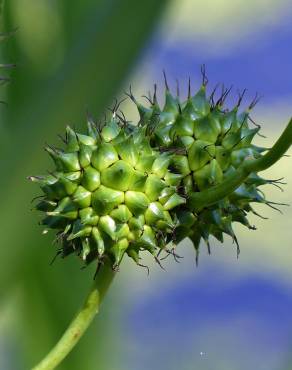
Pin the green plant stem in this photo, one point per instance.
(216, 193)
(81, 322)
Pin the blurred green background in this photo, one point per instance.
(74, 57)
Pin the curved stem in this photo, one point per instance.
(81, 322)
(210, 196)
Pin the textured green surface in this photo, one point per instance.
(212, 160)
(110, 194)
(199, 179)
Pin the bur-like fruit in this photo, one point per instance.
(189, 169)
(110, 193)
(208, 143)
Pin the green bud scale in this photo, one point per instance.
(123, 188)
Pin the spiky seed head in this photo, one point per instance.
(214, 141)
(122, 188)
(109, 194)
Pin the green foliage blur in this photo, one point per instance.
(72, 57)
(75, 57)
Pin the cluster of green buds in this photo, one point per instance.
(111, 193)
(209, 143)
(188, 169)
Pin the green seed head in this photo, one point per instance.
(109, 194)
(206, 142)
(188, 169)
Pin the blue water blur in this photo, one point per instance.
(262, 66)
(210, 321)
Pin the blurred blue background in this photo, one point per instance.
(226, 314)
